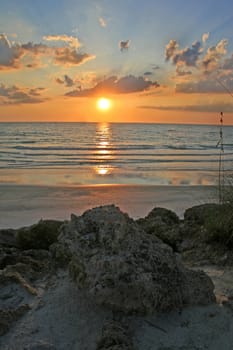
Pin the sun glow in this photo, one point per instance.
(103, 104)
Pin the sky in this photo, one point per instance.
(165, 61)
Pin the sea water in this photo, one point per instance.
(110, 153)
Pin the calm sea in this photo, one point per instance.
(92, 153)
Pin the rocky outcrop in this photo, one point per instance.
(164, 224)
(126, 269)
(115, 336)
(8, 238)
(38, 236)
(9, 316)
(21, 267)
(198, 214)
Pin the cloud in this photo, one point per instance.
(206, 86)
(214, 55)
(67, 81)
(191, 57)
(205, 37)
(9, 55)
(198, 70)
(59, 81)
(18, 95)
(113, 85)
(228, 63)
(155, 67)
(102, 22)
(187, 56)
(72, 41)
(182, 73)
(208, 107)
(62, 55)
(15, 56)
(170, 49)
(148, 73)
(70, 57)
(124, 45)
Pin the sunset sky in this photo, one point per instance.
(156, 61)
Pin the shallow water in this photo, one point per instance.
(92, 153)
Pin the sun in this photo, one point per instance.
(103, 104)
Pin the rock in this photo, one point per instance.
(207, 235)
(164, 224)
(167, 216)
(8, 238)
(41, 345)
(38, 236)
(32, 263)
(10, 274)
(115, 336)
(197, 215)
(126, 269)
(8, 316)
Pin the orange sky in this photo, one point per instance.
(123, 109)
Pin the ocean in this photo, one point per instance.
(67, 154)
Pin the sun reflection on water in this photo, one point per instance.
(103, 150)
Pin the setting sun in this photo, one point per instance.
(103, 104)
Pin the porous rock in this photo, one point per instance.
(41, 345)
(115, 336)
(8, 316)
(164, 224)
(126, 269)
(8, 238)
(198, 214)
(38, 236)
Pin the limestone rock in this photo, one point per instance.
(115, 336)
(126, 269)
(164, 224)
(8, 238)
(41, 345)
(8, 316)
(38, 236)
(197, 215)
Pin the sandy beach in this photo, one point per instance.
(77, 323)
(23, 205)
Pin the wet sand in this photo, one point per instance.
(22, 205)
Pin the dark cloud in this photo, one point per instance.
(113, 85)
(187, 56)
(148, 73)
(124, 45)
(155, 67)
(17, 95)
(67, 81)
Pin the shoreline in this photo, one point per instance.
(23, 205)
